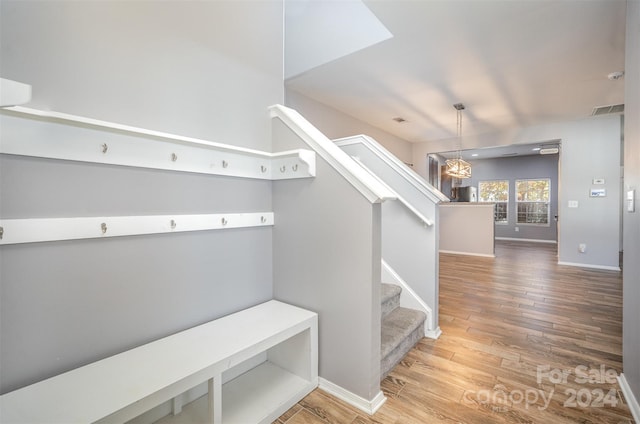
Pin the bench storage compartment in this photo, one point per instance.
(257, 362)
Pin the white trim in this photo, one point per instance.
(368, 406)
(396, 164)
(339, 160)
(632, 402)
(580, 265)
(453, 252)
(53, 135)
(13, 93)
(408, 297)
(433, 334)
(527, 240)
(14, 231)
(426, 221)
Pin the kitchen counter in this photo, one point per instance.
(467, 228)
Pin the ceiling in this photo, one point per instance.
(503, 151)
(513, 63)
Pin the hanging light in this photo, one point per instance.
(458, 168)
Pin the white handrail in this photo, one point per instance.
(426, 221)
(370, 187)
(396, 164)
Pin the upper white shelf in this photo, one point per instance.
(13, 92)
(53, 135)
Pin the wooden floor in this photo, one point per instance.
(524, 341)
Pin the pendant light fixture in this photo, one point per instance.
(458, 168)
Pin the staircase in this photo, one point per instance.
(402, 328)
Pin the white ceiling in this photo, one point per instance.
(513, 63)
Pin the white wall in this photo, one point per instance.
(631, 276)
(590, 149)
(335, 124)
(201, 69)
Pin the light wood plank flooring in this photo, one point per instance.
(524, 341)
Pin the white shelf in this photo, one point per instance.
(13, 93)
(261, 395)
(16, 231)
(53, 135)
(126, 385)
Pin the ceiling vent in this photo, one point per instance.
(606, 110)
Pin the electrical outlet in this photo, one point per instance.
(582, 248)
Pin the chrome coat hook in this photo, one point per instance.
(295, 168)
(174, 157)
(263, 219)
(1, 232)
(263, 169)
(225, 163)
(283, 168)
(173, 224)
(224, 221)
(104, 147)
(103, 227)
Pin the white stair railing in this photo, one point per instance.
(426, 221)
(410, 255)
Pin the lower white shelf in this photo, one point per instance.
(260, 395)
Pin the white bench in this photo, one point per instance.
(279, 337)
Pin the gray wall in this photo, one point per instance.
(631, 275)
(201, 69)
(410, 249)
(407, 246)
(326, 252)
(512, 169)
(590, 149)
(335, 124)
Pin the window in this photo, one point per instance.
(532, 200)
(497, 192)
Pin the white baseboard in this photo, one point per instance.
(433, 334)
(453, 252)
(368, 406)
(528, 240)
(634, 407)
(579, 265)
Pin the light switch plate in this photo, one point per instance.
(573, 203)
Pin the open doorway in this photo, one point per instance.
(521, 180)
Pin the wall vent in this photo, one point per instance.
(606, 110)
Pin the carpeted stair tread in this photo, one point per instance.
(389, 291)
(397, 326)
(390, 298)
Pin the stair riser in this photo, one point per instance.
(395, 356)
(389, 305)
